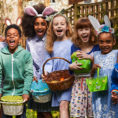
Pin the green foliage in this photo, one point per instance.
(33, 114)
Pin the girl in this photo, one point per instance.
(34, 26)
(84, 42)
(105, 60)
(58, 44)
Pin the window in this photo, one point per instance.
(52, 1)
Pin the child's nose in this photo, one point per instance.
(83, 31)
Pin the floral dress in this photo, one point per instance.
(102, 104)
(81, 101)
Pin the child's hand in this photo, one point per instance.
(2, 39)
(43, 75)
(75, 66)
(25, 97)
(114, 97)
(94, 68)
(83, 55)
(35, 79)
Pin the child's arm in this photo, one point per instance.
(114, 85)
(28, 76)
(94, 67)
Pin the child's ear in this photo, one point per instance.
(67, 28)
(114, 42)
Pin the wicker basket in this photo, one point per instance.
(12, 108)
(58, 85)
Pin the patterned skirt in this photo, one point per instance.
(81, 101)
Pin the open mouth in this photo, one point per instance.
(59, 30)
(11, 42)
(84, 36)
(40, 31)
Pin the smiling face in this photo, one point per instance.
(40, 26)
(12, 38)
(60, 27)
(106, 42)
(84, 34)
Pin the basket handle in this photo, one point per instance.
(51, 59)
(98, 71)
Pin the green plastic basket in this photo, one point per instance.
(97, 84)
(86, 64)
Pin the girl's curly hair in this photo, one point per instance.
(51, 37)
(28, 21)
(83, 23)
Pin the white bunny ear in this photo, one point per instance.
(95, 23)
(107, 21)
(8, 21)
(18, 21)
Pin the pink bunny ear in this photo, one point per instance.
(48, 11)
(8, 21)
(18, 21)
(30, 11)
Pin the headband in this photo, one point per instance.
(101, 28)
(8, 21)
(32, 12)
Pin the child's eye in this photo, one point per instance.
(55, 24)
(14, 35)
(79, 29)
(86, 28)
(36, 24)
(62, 23)
(43, 24)
(100, 41)
(108, 41)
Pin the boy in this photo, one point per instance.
(15, 67)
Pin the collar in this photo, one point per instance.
(6, 50)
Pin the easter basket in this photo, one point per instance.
(58, 80)
(40, 92)
(86, 64)
(98, 83)
(11, 106)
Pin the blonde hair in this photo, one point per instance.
(51, 37)
(83, 23)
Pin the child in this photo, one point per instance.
(58, 44)
(105, 60)
(2, 45)
(34, 26)
(114, 85)
(15, 67)
(2, 42)
(84, 41)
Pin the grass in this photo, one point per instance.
(33, 114)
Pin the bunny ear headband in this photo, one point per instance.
(32, 12)
(8, 21)
(101, 28)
